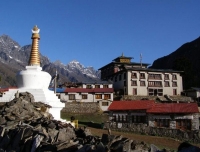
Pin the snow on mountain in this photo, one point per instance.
(8, 43)
(89, 71)
(17, 57)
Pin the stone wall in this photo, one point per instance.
(79, 107)
(158, 98)
(190, 136)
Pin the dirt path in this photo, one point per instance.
(161, 142)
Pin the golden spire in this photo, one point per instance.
(35, 55)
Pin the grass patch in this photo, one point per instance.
(93, 120)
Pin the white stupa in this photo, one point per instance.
(36, 81)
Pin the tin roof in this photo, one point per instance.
(151, 107)
(174, 108)
(94, 90)
(131, 105)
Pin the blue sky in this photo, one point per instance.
(94, 32)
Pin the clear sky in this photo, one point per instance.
(94, 32)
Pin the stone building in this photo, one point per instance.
(184, 116)
(131, 78)
(98, 92)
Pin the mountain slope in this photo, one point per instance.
(14, 58)
(186, 58)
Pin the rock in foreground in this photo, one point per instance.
(26, 126)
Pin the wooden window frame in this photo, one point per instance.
(115, 78)
(88, 86)
(134, 83)
(174, 92)
(134, 75)
(142, 83)
(120, 77)
(142, 75)
(97, 86)
(166, 76)
(104, 103)
(134, 91)
(98, 96)
(105, 86)
(162, 123)
(174, 84)
(183, 124)
(124, 76)
(72, 97)
(174, 77)
(107, 96)
(155, 76)
(167, 84)
(84, 96)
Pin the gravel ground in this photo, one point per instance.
(161, 142)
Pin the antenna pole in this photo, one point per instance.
(55, 79)
(141, 60)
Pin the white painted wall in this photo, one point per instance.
(143, 90)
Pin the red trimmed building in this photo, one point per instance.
(100, 92)
(183, 116)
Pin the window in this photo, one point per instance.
(120, 77)
(106, 96)
(115, 78)
(184, 124)
(97, 86)
(104, 103)
(71, 96)
(124, 118)
(124, 83)
(120, 118)
(166, 76)
(88, 86)
(155, 92)
(174, 84)
(114, 118)
(142, 83)
(105, 86)
(134, 91)
(142, 75)
(134, 75)
(133, 83)
(155, 76)
(98, 96)
(124, 76)
(138, 119)
(84, 96)
(174, 77)
(167, 84)
(155, 83)
(174, 92)
(162, 123)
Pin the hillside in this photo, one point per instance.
(187, 59)
(14, 58)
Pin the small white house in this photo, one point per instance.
(99, 92)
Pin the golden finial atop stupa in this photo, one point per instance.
(35, 55)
